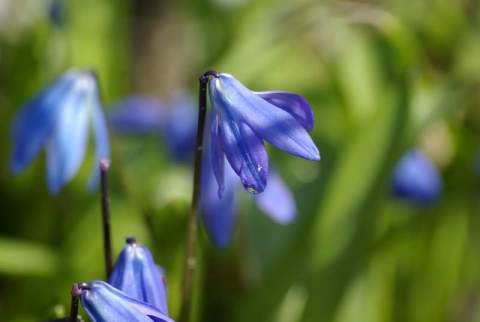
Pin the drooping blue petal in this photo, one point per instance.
(138, 114)
(292, 103)
(136, 274)
(417, 179)
(271, 123)
(181, 128)
(35, 121)
(277, 200)
(100, 134)
(217, 154)
(218, 214)
(67, 144)
(104, 303)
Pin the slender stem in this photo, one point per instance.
(107, 244)
(190, 252)
(76, 291)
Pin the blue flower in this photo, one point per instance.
(136, 275)
(244, 119)
(58, 119)
(104, 303)
(416, 179)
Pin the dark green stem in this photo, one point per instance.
(190, 251)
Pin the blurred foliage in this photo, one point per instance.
(381, 76)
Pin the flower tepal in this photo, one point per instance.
(104, 303)
(245, 118)
(58, 119)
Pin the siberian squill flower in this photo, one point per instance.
(417, 179)
(136, 275)
(244, 119)
(105, 303)
(58, 120)
(177, 122)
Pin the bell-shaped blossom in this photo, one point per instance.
(58, 120)
(245, 119)
(219, 212)
(417, 179)
(105, 303)
(136, 275)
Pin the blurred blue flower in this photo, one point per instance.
(58, 119)
(136, 275)
(176, 120)
(104, 303)
(416, 179)
(245, 118)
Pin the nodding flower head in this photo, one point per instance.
(136, 274)
(244, 119)
(105, 303)
(417, 179)
(219, 212)
(58, 120)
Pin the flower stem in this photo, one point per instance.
(76, 291)
(107, 244)
(190, 252)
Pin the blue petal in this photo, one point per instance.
(417, 179)
(271, 123)
(34, 122)
(138, 114)
(136, 274)
(218, 155)
(277, 200)
(294, 104)
(218, 214)
(104, 303)
(100, 134)
(67, 145)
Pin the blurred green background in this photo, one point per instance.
(381, 76)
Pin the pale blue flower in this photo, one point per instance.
(58, 120)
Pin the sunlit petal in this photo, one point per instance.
(269, 122)
(292, 103)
